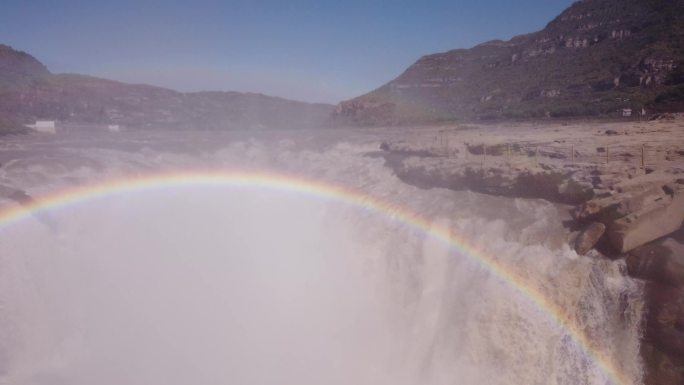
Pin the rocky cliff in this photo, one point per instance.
(597, 57)
(623, 186)
(29, 92)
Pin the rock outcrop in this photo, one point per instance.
(662, 217)
(636, 216)
(661, 265)
(429, 168)
(626, 210)
(657, 265)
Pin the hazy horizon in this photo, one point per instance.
(310, 51)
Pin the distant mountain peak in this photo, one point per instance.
(18, 67)
(29, 92)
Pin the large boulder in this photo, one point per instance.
(589, 237)
(661, 217)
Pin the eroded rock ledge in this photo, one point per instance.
(626, 212)
(635, 206)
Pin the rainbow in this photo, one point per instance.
(284, 183)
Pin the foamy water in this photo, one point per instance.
(253, 286)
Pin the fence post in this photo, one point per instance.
(441, 142)
(643, 156)
(573, 154)
(508, 152)
(536, 155)
(484, 155)
(607, 155)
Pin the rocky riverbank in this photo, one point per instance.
(625, 187)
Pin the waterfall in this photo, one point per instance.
(251, 285)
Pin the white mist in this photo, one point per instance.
(195, 286)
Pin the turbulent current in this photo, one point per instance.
(251, 285)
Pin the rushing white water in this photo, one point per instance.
(252, 286)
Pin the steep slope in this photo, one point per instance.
(29, 92)
(19, 68)
(598, 56)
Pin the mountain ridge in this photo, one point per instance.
(30, 92)
(595, 58)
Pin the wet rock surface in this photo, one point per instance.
(589, 237)
(661, 265)
(658, 264)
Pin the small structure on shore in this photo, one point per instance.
(114, 128)
(626, 112)
(44, 126)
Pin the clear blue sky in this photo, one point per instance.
(307, 50)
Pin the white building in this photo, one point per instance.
(44, 126)
(626, 112)
(114, 128)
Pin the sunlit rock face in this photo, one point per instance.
(595, 58)
(215, 284)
